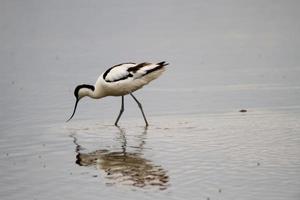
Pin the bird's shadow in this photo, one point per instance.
(123, 166)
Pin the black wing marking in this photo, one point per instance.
(137, 67)
(160, 65)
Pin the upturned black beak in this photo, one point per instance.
(74, 110)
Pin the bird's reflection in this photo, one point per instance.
(129, 168)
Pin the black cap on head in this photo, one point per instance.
(76, 93)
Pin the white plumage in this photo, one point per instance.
(121, 80)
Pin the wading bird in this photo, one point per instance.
(121, 80)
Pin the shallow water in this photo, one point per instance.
(223, 57)
(250, 155)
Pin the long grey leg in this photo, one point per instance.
(121, 111)
(140, 106)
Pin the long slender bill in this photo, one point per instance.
(74, 110)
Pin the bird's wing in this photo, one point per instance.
(118, 72)
(143, 69)
(127, 70)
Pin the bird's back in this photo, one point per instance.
(128, 77)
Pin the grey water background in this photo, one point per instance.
(224, 56)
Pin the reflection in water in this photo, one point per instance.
(128, 168)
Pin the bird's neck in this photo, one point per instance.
(97, 93)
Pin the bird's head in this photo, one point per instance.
(80, 92)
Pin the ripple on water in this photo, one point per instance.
(212, 156)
